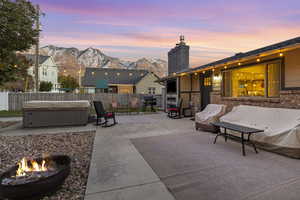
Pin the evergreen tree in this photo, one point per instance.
(17, 33)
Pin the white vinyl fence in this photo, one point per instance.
(3, 100)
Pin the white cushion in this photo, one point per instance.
(210, 111)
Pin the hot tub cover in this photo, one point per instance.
(56, 104)
(281, 126)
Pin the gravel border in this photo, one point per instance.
(78, 146)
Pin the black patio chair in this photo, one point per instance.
(101, 113)
(175, 112)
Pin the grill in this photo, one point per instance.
(149, 101)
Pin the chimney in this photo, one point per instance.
(178, 57)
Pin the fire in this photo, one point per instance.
(33, 166)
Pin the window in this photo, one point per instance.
(254, 81)
(151, 90)
(207, 81)
(44, 71)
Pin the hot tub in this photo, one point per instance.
(55, 113)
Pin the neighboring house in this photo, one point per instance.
(122, 81)
(48, 70)
(268, 76)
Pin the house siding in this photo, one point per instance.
(292, 68)
(52, 72)
(147, 82)
(125, 89)
(289, 96)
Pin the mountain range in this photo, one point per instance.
(71, 60)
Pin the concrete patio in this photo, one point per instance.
(152, 157)
(155, 158)
(118, 171)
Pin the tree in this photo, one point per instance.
(17, 33)
(45, 86)
(68, 83)
(20, 80)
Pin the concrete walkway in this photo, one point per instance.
(17, 129)
(117, 170)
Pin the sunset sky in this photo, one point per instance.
(131, 29)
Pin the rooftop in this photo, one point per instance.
(113, 76)
(239, 56)
(31, 58)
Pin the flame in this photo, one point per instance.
(33, 166)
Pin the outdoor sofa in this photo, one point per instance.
(210, 114)
(281, 127)
(55, 113)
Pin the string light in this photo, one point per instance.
(258, 60)
(195, 73)
(225, 67)
(281, 54)
(239, 64)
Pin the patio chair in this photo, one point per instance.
(101, 113)
(210, 114)
(175, 112)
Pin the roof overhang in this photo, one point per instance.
(120, 84)
(212, 66)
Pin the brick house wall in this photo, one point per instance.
(287, 99)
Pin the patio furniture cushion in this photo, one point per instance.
(210, 114)
(109, 114)
(281, 126)
(173, 109)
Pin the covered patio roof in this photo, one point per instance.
(278, 48)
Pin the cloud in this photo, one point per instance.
(214, 29)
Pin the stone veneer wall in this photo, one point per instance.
(287, 99)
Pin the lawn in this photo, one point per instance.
(5, 113)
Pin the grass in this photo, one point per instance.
(5, 113)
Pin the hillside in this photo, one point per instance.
(70, 60)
